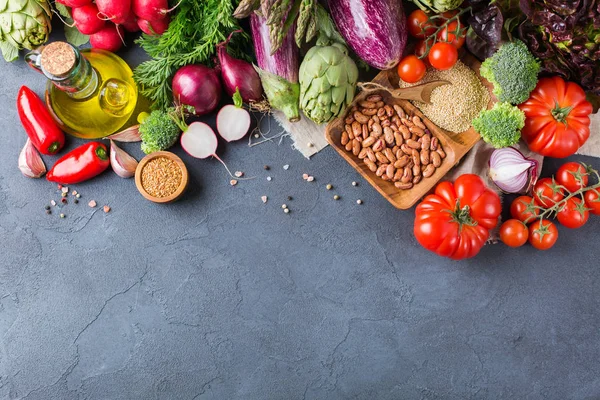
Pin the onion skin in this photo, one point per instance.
(239, 74)
(198, 86)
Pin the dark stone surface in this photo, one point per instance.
(220, 296)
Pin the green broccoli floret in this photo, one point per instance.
(513, 70)
(158, 132)
(501, 126)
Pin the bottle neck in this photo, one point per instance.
(69, 70)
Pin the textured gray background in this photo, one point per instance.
(220, 296)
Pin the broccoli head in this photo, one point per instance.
(513, 70)
(158, 131)
(501, 126)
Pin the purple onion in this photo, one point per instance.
(511, 171)
(198, 86)
(238, 74)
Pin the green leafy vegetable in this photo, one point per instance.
(501, 126)
(513, 70)
(192, 37)
(72, 34)
(159, 131)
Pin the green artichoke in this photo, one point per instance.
(437, 6)
(23, 24)
(327, 82)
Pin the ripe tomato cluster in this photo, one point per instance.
(566, 196)
(438, 39)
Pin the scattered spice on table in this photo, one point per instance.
(329, 186)
(359, 201)
(269, 178)
(336, 197)
(161, 177)
(106, 209)
(286, 167)
(233, 182)
(468, 95)
(266, 167)
(354, 183)
(286, 210)
(239, 174)
(264, 199)
(92, 203)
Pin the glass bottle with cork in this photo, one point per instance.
(90, 92)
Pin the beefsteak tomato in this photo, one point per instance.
(557, 121)
(455, 221)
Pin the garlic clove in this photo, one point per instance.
(131, 134)
(30, 161)
(121, 162)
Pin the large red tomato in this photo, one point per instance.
(456, 220)
(557, 119)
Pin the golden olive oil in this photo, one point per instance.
(107, 108)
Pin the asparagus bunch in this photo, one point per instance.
(281, 15)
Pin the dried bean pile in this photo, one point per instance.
(396, 146)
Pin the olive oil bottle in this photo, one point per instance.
(90, 92)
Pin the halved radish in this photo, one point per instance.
(200, 141)
(233, 123)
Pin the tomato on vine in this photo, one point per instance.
(547, 192)
(419, 25)
(452, 34)
(443, 56)
(514, 233)
(572, 175)
(592, 201)
(524, 209)
(411, 69)
(574, 214)
(543, 234)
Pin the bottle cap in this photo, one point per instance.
(58, 58)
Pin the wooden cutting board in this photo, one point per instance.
(456, 145)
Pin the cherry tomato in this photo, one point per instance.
(546, 192)
(524, 209)
(443, 56)
(572, 175)
(514, 233)
(449, 34)
(543, 234)
(419, 26)
(411, 69)
(446, 15)
(421, 48)
(574, 214)
(592, 201)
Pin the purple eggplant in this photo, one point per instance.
(374, 29)
(278, 72)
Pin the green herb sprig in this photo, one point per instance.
(195, 30)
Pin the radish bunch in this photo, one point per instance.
(106, 20)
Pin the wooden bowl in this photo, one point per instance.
(456, 145)
(182, 186)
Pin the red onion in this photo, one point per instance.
(238, 74)
(511, 171)
(197, 86)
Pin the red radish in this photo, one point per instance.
(233, 122)
(198, 86)
(108, 38)
(151, 10)
(86, 19)
(131, 25)
(200, 141)
(152, 28)
(239, 75)
(116, 11)
(74, 3)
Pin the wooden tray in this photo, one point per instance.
(456, 145)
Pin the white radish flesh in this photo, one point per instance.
(233, 123)
(200, 141)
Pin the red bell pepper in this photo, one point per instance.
(41, 128)
(80, 164)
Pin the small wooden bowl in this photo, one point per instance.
(182, 186)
